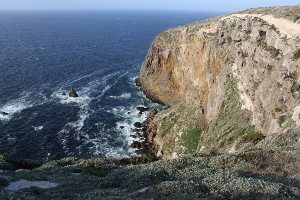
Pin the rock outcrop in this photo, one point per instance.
(232, 83)
(73, 93)
(4, 113)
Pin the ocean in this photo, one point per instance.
(99, 53)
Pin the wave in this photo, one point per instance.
(37, 128)
(129, 116)
(83, 101)
(15, 106)
(124, 96)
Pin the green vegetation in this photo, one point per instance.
(96, 171)
(296, 18)
(277, 109)
(295, 90)
(231, 124)
(273, 51)
(281, 120)
(191, 139)
(3, 182)
(273, 27)
(261, 40)
(24, 164)
(296, 55)
(253, 137)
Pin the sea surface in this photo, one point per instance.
(44, 54)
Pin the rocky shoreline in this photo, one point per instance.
(145, 131)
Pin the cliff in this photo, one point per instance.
(232, 83)
(232, 87)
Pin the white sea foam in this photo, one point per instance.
(38, 128)
(14, 106)
(124, 96)
(129, 116)
(83, 101)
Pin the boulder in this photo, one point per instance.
(142, 109)
(73, 93)
(135, 130)
(136, 145)
(137, 125)
(137, 82)
(4, 113)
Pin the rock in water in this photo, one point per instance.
(4, 113)
(73, 93)
(142, 109)
(137, 125)
(137, 82)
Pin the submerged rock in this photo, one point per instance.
(73, 93)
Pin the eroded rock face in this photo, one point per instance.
(241, 72)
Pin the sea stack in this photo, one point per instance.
(73, 93)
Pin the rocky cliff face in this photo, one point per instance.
(232, 83)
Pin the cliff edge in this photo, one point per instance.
(232, 83)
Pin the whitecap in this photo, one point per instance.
(129, 116)
(37, 128)
(14, 106)
(124, 96)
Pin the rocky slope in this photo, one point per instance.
(251, 175)
(232, 83)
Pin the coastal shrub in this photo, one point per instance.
(261, 40)
(253, 137)
(281, 120)
(167, 125)
(24, 164)
(277, 109)
(296, 54)
(273, 27)
(273, 51)
(3, 182)
(96, 171)
(295, 90)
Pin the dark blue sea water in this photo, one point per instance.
(43, 54)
